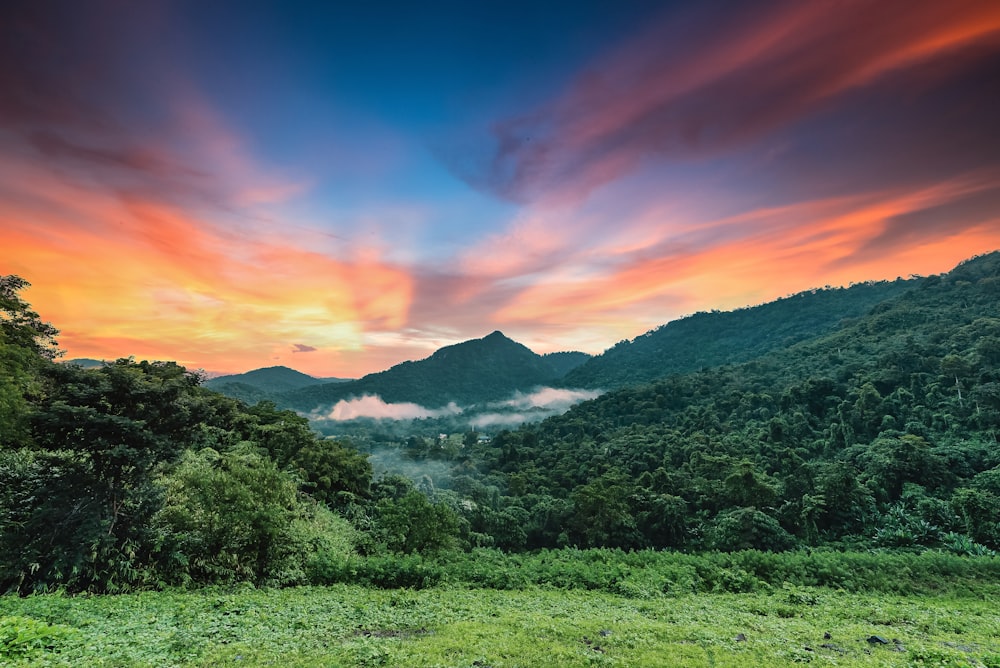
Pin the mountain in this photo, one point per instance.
(710, 339)
(478, 370)
(264, 384)
(882, 433)
(270, 380)
(85, 362)
(565, 362)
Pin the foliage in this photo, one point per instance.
(749, 529)
(333, 472)
(23, 637)
(19, 325)
(229, 518)
(710, 339)
(130, 474)
(413, 523)
(659, 573)
(26, 344)
(346, 625)
(896, 408)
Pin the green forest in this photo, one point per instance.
(868, 426)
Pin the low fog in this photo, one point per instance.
(521, 407)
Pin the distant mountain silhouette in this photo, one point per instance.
(485, 369)
(85, 362)
(270, 380)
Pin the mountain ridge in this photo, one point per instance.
(489, 368)
(272, 378)
(708, 339)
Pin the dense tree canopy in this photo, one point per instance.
(880, 431)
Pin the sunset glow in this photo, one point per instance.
(250, 185)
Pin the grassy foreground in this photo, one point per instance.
(344, 625)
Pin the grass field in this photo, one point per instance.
(346, 625)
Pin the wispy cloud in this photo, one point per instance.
(530, 407)
(372, 406)
(550, 398)
(701, 84)
(487, 420)
(727, 153)
(521, 407)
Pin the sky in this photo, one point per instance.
(338, 187)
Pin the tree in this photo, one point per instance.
(749, 529)
(20, 325)
(230, 517)
(333, 473)
(16, 379)
(26, 345)
(747, 487)
(891, 461)
(602, 512)
(414, 524)
(55, 530)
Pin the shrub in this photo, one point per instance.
(749, 529)
(234, 517)
(20, 637)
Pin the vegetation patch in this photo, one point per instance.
(347, 625)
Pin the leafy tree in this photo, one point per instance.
(230, 517)
(749, 529)
(56, 531)
(282, 434)
(602, 512)
(413, 523)
(746, 487)
(978, 511)
(332, 472)
(890, 462)
(26, 345)
(20, 325)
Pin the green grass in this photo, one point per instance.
(345, 625)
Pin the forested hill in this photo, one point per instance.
(884, 431)
(270, 379)
(490, 368)
(710, 339)
(264, 384)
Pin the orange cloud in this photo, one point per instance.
(131, 276)
(760, 255)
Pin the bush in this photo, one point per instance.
(234, 517)
(20, 637)
(749, 529)
(649, 573)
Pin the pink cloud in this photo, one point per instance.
(702, 84)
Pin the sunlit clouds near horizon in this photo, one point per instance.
(338, 189)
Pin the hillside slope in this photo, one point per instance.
(885, 431)
(710, 339)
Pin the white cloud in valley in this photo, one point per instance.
(550, 398)
(501, 420)
(521, 407)
(531, 407)
(372, 406)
